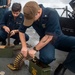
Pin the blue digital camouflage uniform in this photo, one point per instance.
(49, 24)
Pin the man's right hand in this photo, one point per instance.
(6, 29)
(24, 52)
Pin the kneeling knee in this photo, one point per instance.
(47, 60)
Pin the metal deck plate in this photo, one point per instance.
(4, 69)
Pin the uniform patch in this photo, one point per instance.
(43, 25)
(18, 22)
(45, 15)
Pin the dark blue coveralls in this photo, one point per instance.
(3, 10)
(49, 24)
(8, 20)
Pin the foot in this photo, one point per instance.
(16, 42)
(60, 70)
(3, 43)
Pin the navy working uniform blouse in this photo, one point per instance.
(48, 23)
(8, 20)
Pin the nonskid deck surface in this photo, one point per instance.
(25, 71)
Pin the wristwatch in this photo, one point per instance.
(4, 6)
(35, 49)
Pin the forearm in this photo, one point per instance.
(22, 39)
(43, 42)
(1, 6)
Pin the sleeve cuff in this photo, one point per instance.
(54, 37)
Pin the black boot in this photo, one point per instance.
(16, 42)
(3, 42)
(60, 70)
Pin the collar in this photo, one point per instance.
(10, 15)
(44, 15)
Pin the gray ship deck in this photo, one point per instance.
(24, 71)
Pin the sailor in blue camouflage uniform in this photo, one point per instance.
(4, 6)
(10, 23)
(46, 23)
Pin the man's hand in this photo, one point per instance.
(32, 52)
(24, 52)
(12, 33)
(6, 29)
(7, 6)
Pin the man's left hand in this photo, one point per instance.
(12, 33)
(32, 52)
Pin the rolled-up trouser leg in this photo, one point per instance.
(47, 54)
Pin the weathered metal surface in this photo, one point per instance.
(38, 68)
(8, 51)
(3, 68)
